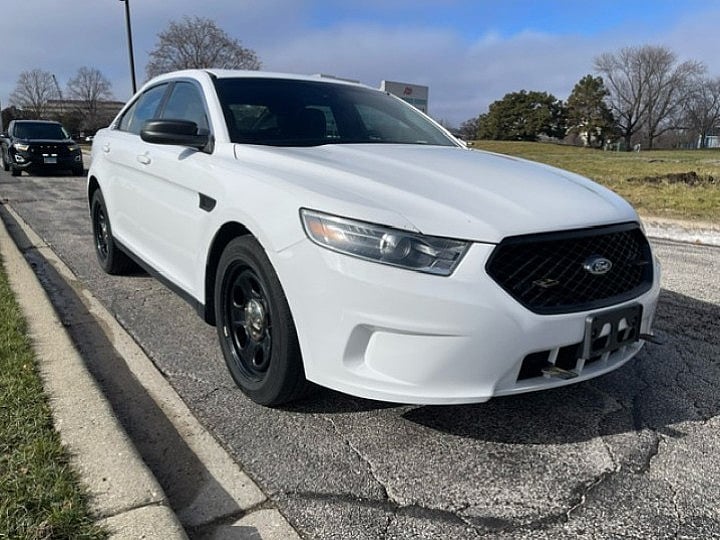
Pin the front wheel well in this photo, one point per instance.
(222, 238)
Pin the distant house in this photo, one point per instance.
(712, 139)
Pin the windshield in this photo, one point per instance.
(284, 112)
(40, 130)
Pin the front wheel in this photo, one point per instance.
(256, 330)
(78, 171)
(5, 165)
(14, 171)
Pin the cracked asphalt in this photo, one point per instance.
(633, 454)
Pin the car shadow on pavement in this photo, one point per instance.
(665, 385)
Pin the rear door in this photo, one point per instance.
(121, 147)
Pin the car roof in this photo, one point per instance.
(36, 122)
(253, 74)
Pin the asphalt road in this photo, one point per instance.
(633, 454)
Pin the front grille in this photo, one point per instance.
(52, 149)
(546, 272)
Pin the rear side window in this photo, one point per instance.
(143, 109)
(186, 103)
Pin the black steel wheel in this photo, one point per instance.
(255, 326)
(111, 259)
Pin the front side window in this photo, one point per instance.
(186, 103)
(282, 112)
(143, 109)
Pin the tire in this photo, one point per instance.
(111, 259)
(5, 164)
(255, 327)
(78, 171)
(14, 171)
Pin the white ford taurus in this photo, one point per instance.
(334, 234)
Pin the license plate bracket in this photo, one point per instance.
(50, 160)
(610, 330)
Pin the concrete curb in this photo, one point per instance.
(683, 231)
(125, 495)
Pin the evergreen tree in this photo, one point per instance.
(523, 116)
(588, 113)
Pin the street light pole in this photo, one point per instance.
(130, 44)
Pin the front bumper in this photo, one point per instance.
(37, 162)
(385, 333)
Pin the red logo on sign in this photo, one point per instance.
(407, 91)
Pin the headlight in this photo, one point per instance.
(21, 147)
(384, 245)
(73, 147)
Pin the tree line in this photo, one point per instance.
(192, 43)
(78, 108)
(638, 96)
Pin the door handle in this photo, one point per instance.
(144, 159)
(106, 148)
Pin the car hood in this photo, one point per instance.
(441, 191)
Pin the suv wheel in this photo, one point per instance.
(256, 330)
(5, 165)
(14, 171)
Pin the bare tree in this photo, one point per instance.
(33, 91)
(647, 87)
(702, 109)
(90, 87)
(198, 43)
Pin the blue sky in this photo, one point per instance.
(470, 53)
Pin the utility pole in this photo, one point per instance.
(61, 103)
(130, 44)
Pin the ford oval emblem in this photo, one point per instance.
(597, 265)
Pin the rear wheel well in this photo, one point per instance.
(227, 232)
(93, 186)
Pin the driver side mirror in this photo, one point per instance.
(180, 132)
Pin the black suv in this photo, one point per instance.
(39, 145)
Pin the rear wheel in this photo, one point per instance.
(256, 330)
(111, 259)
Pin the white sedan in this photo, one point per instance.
(335, 234)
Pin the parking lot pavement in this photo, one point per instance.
(631, 454)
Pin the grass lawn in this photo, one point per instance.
(40, 496)
(658, 183)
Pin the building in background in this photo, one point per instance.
(414, 94)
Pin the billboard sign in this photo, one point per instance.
(415, 94)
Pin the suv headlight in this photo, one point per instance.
(73, 147)
(384, 245)
(21, 147)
